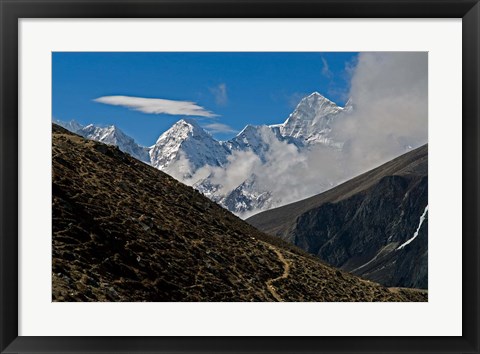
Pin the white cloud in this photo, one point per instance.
(239, 168)
(220, 94)
(157, 105)
(389, 91)
(219, 128)
(240, 165)
(181, 169)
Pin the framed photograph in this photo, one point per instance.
(236, 176)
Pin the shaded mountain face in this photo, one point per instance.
(374, 226)
(125, 231)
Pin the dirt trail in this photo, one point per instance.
(286, 273)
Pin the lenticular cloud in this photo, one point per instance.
(157, 105)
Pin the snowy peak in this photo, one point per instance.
(183, 129)
(108, 135)
(311, 120)
(314, 106)
(187, 141)
(258, 139)
(316, 98)
(250, 136)
(248, 197)
(111, 135)
(72, 125)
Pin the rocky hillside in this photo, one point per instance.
(374, 226)
(125, 231)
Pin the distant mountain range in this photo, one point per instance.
(374, 226)
(261, 168)
(190, 154)
(125, 231)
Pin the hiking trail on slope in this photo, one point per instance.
(286, 273)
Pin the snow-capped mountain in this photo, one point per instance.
(249, 196)
(71, 125)
(255, 138)
(311, 121)
(308, 127)
(110, 135)
(189, 146)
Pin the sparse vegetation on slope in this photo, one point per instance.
(124, 231)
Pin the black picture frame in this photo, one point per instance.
(12, 10)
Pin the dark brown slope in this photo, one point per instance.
(124, 231)
(360, 225)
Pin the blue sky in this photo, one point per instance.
(229, 90)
